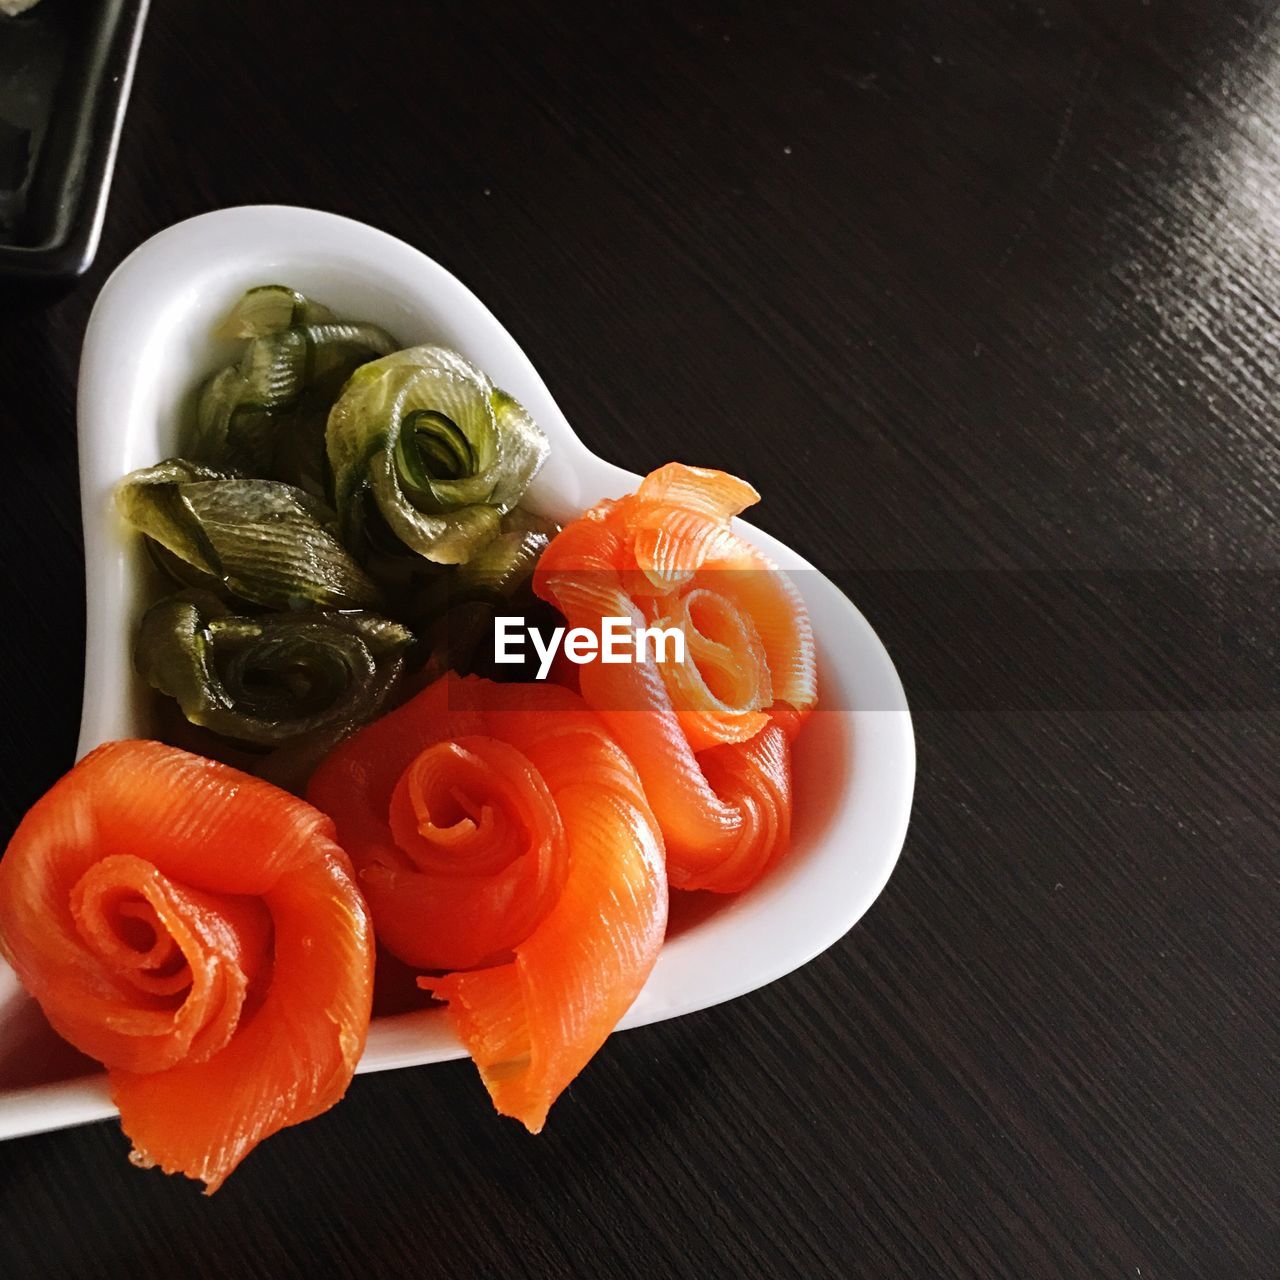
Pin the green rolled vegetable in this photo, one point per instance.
(424, 441)
(258, 541)
(268, 308)
(455, 611)
(496, 572)
(266, 413)
(296, 682)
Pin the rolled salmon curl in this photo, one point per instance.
(709, 735)
(680, 531)
(198, 932)
(504, 842)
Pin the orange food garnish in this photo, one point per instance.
(502, 836)
(198, 932)
(710, 737)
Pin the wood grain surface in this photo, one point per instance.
(984, 296)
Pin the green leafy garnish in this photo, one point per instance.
(266, 413)
(254, 540)
(300, 681)
(435, 447)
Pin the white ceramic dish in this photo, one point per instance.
(148, 343)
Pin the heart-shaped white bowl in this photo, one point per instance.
(149, 343)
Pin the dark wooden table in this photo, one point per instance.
(985, 296)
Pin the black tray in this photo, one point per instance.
(65, 70)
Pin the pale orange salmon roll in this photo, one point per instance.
(709, 736)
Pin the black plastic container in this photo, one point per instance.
(65, 71)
